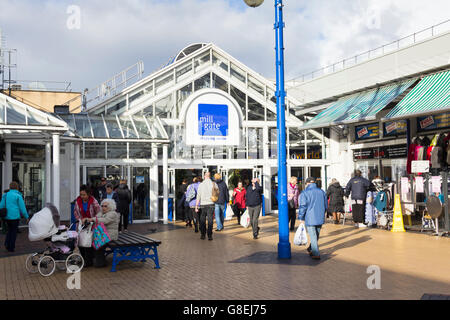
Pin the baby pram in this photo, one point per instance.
(61, 243)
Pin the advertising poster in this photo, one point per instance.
(441, 121)
(436, 184)
(419, 185)
(368, 131)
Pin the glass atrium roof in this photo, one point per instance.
(16, 113)
(115, 127)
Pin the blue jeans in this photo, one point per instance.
(314, 232)
(219, 210)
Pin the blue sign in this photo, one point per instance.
(394, 128)
(441, 121)
(368, 131)
(213, 120)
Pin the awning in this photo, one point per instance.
(430, 96)
(358, 107)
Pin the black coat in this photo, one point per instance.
(358, 187)
(335, 194)
(253, 198)
(124, 195)
(224, 195)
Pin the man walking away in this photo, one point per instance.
(358, 187)
(191, 199)
(220, 205)
(204, 202)
(254, 203)
(181, 199)
(312, 208)
(124, 195)
(101, 190)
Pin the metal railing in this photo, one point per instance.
(387, 48)
(38, 85)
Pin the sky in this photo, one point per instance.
(110, 35)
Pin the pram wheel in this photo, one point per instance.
(46, 266)
(74, 263)
(32, 263)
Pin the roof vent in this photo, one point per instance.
(61, 109)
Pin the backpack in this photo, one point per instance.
(191, 193)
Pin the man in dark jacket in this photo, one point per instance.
(181, 199)
(358, 187)
(253, 200)
(110, 194)
(221, 203)
(312, 207)
(124, 195)
(101, 190)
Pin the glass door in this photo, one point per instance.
(316, 172)
(31, 178)
(299, 173)
(140, 185)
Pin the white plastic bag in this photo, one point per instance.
(85, 235)
(41, 225)
(300, 238)
(245, 219)
(228, 213)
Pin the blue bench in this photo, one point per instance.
(134, 247)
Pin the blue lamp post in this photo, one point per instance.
(284, 247)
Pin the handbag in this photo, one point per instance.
(245, 219)
(100, 236)
(4, 212)
(215, 193)
(300, 238)
(291, 204)
(85, 235)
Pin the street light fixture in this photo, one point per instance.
(284, 247)
(254, 3)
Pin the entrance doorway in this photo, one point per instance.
(31, 178)
(298, 172)
(140, 186)
(180, 175)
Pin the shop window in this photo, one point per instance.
(203, 82)
(94, 150)
(255, 143)
(240, 97)
(255, 110)
(296, 144)
(27, 153)
(140, 151)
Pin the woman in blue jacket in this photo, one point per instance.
(15, 206)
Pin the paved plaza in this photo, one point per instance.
(234, 266)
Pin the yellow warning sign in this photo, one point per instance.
(397, 225)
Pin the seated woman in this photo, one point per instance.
(110, 218)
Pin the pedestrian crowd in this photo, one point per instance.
(206, 200)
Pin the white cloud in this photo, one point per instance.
(115, 34)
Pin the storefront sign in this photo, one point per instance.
(394, 128)
(385, 152)
(369, 131)
(420, 166)
(212, 119)
(441, 121)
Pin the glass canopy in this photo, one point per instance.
(16, 113)
(115, 127)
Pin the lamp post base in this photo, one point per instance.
(284, 250)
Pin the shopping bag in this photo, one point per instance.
(85, 235)
(245, 219)
(100, 236)
(228, 212)
(300, 238)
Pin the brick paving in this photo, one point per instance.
(234, 266)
